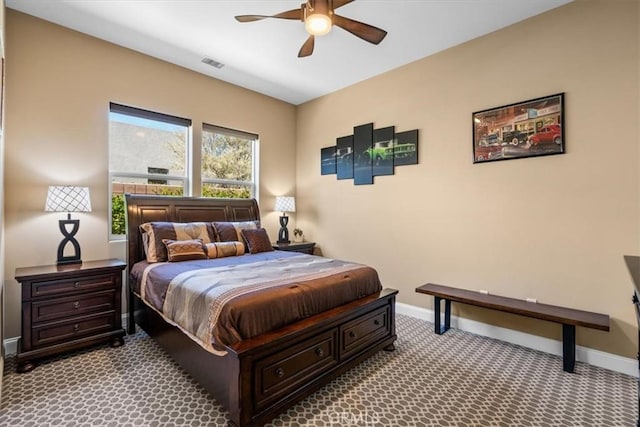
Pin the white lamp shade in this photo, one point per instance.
(285, 204)
(67, 198)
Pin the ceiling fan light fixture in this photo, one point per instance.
(317, 24)
(318, 17)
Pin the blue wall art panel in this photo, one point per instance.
(328, 160)
(344, 157)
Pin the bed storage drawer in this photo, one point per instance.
(358, 334)
(284, 371)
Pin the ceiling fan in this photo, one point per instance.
(318, 17)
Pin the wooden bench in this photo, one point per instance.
(568, 317)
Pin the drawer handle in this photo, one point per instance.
(76, 304)
(76, 327)
(319, 352)
(76, 284)
(376, 322)
(352, 334)
(279, 372)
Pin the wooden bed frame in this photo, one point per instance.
(260, 377)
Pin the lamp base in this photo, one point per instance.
(69, 261)
(283, 234)
(74, 258)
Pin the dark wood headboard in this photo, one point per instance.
(143, 208)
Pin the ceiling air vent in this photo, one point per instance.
(212, 62)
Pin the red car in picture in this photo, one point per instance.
(546, 135)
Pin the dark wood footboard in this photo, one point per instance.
(261, 377)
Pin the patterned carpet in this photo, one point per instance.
(457, 379)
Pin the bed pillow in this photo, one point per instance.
(223, 249)
(232, 231)
(184, 250)
(257, 240)
(154, 232)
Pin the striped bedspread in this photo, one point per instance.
(219, 305)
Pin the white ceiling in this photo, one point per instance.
(262, 55)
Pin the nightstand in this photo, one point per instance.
(303, 247)
(68, 307)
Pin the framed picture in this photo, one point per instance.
(524, 129)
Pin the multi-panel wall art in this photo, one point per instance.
(369, 152)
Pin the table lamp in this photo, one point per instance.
(68, 199)
(284, 204)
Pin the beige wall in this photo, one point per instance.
(553, 228)
(59, 85)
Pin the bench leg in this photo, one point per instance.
(568, 347)
(439, 329)
(447, 314)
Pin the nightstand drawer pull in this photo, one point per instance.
(76, 284)
(352, 334)
(319, 352)
(76, 304)
(76, 327)
(376, 322)
(279, 372)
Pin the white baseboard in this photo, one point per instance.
(10, 346)
(591, 356)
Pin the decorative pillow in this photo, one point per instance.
(153, 233)
(257, 240)
(184, 250)
(232, 231)
(223, 249)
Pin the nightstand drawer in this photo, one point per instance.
(71, 285)
(49, 333)
(72, 306)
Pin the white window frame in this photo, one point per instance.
(253, 184)
(150, 115)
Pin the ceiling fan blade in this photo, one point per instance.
(340, 3)
(289, 14)
(360, 29)
(307, 47)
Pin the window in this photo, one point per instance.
(228, 167)
(147, 155)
